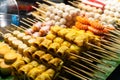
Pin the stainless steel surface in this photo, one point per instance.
(8, 10)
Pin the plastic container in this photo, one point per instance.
(9, 12)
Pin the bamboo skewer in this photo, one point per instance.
(38, 17)
(75, 73)
(93, 58)
(95, 67)
(107, 54)
(38, 9)
(73, 4)
(38, 3)
(111, 35)
(63, 78)
(109, 48)
(81, 58)
(31, 20)
(23, 27)
(98, 55)
(112, 44)
(27, 21)
(87, 73)
(79, 64)
(52, 3)
(36, 20)
(18, 27)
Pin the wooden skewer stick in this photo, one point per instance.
(116, 32)
(27, 21)
(8, 30)
(81, 58)
(1, 33)
(98, 55)
(38, 9)
(36, 20)
(18, 27)
(94, 46)
(37, 16)
(109, 48)
(79, 64)
(63, 78)
(31, 20)
(38, 3)
(23, 27)
(87, 73)
(117, 41)
(111, 44)
(95, 67)
(73, 4)
(93, 58)
(107, 53)
(52, 3)
(111, 35)
(75, 73)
